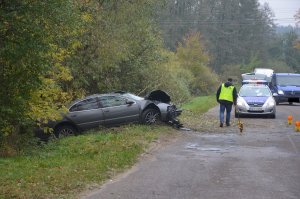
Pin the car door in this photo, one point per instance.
(86, 114)
(116, 110)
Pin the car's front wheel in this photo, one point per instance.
(65, 130)
(151, 116)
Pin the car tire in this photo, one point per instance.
(65, 130)
(290, 103)
(273, 116)
(151, 116)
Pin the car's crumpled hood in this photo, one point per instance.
(158, 95)
(255, 100)
(289, 88)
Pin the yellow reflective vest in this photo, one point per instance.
(226, 93)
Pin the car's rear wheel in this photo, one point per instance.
(151, 116)
(65, 130)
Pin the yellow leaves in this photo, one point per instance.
(86, 17)
(58, 54)
(6, 130)
(48, 103)
(297, 45)
(75, 44)
(61, 72)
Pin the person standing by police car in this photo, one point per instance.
(226, 97)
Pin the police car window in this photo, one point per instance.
(110, 101)
(87, 104)
(262, 92)
(254, 92)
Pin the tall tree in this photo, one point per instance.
(297, 17)
(120, 45)
(291, 55)
(236, 30)
(195, 59)
(31, 34)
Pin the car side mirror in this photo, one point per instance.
(129, 102)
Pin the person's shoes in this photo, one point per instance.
(221, 124)
(227, 124)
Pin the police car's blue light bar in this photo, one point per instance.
(254, 82)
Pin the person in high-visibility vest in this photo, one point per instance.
(226, 97)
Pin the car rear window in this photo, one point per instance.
(87, 104)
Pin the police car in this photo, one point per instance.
(253, 78)
(255, 99)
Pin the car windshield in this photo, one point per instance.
(254, 91)
(132, 96)
(288, 80)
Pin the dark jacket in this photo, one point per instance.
(234, 93)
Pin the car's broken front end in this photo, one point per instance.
(173, 112)
(169, 112)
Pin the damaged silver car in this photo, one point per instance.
(113, 109)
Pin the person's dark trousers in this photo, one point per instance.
(228, 108)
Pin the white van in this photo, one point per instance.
(266, 71)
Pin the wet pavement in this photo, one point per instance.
(261, 163)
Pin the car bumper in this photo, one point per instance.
(243, 112)
(172, 114)
(287, 99)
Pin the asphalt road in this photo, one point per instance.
(261, 163)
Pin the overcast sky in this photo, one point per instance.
(284, 10)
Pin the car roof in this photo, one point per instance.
(266, 69)
(95, 95)
(99, 95)
(287, 74)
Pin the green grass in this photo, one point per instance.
(200, 104)
(193, 114)
(64, 168)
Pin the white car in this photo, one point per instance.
(255, 99)
(265, 71)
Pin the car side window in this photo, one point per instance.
(110, 101)
(87, 104)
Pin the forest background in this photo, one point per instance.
(56, 51)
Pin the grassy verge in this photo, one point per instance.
(200, 104)
(63, 168)
(193, 114)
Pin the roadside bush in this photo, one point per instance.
(193, 57)
(172, 78)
